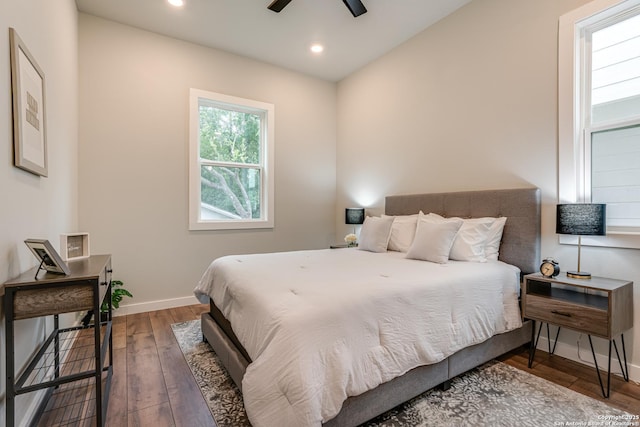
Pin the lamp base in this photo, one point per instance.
(578, 275)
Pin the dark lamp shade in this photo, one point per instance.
(354, 216)
(581, 219)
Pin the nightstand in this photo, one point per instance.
(598, 306)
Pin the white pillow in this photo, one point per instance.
(470, 242)
(494, 238)
(403, 230)
(434, 239)
(474, 241)
(374, 236)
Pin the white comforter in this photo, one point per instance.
(321, 326)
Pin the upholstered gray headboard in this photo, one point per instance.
(521, 237)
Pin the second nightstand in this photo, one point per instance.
(599, 306)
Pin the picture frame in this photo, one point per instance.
(29, 115)
(74, 246)
(47, 256)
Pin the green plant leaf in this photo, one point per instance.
(117, 294)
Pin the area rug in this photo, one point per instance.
(494, 394)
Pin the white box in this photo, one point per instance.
(74, 246)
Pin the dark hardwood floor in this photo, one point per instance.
(153, 386)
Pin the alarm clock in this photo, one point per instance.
(549, 267)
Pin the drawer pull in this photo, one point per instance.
(560, 313)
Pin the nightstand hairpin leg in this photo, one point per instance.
(555, 341)
(595, 362)
(534, 343)
(624, 369)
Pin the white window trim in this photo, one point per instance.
(570, 147)
(268, 150)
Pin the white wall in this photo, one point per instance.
(470, 103)
(33, 206)
(134, 91)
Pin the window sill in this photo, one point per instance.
(230, 225)
(617, 239)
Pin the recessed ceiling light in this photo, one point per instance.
(176, 3)
(317, 48)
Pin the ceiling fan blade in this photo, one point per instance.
(278, 5)
(355, 7)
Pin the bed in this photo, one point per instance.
(386, 381)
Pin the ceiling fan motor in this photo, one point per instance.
(355, 6)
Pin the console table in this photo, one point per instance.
(28, 296)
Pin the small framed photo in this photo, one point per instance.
(47, 256)
(74, 246)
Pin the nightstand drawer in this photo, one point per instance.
(589, 320)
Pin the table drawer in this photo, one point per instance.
(30, 303)
(589, 320)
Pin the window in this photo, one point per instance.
(599, 114)
(231, 149)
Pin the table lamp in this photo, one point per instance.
(581, 219)
(353, 216)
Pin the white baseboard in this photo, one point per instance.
(143, 307)
(583, 355)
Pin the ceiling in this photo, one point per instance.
(248, 28)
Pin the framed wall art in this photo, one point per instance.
(29, 127)
(74, 246)
(47, 255)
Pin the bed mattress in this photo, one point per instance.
(321, 326)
